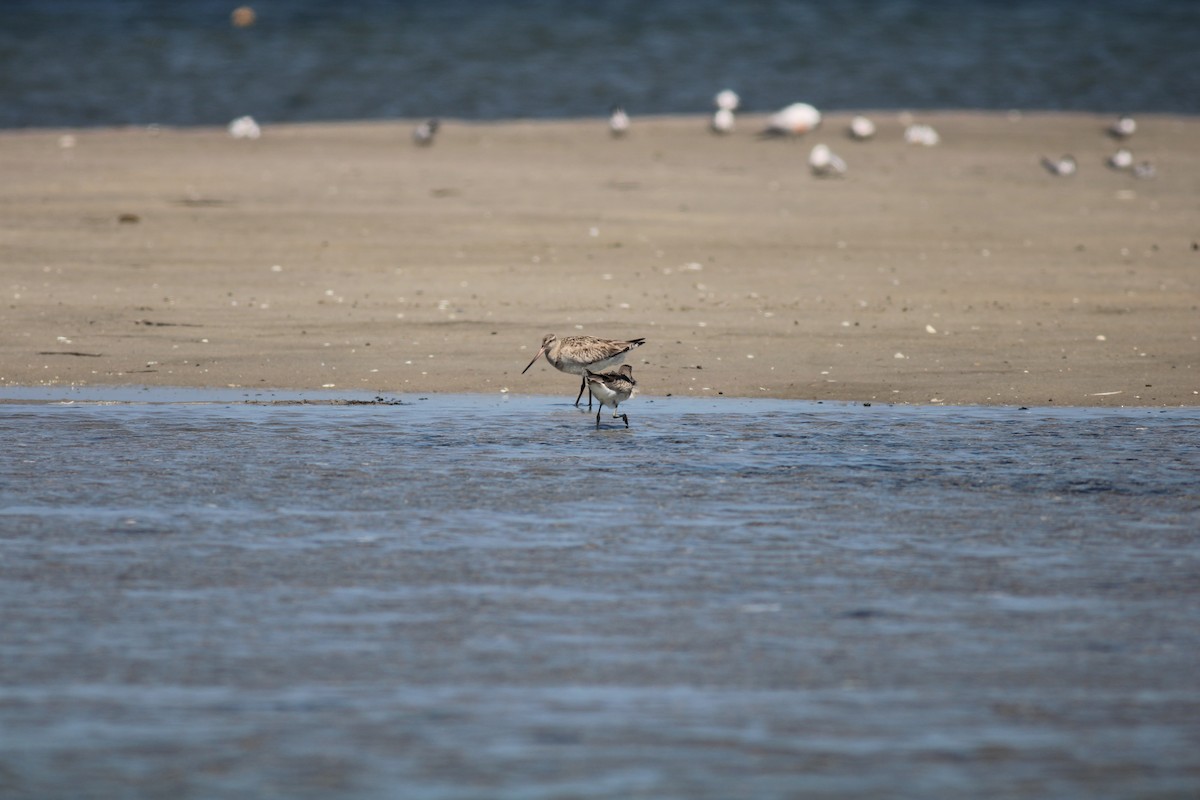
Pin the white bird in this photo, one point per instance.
(423, 134)
(921, 134)
(1063, 167)
(794, 120)
(722, 121)
(1123, 128)
(612, 389)
(861, 128)
(825, 163)
(245, 128)
(1144, 170)
(727, 100)
(1122, 159)
(618, 121)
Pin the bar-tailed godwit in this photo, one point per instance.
(612, 389)
(578, 354)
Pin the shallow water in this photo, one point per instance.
(481, 596)
(127, 62)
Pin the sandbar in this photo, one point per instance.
(341, 256)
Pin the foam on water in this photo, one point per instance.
(230, 593)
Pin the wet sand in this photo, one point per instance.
(341, 256)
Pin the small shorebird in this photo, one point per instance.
(579, 354)
(825, 163)
(423, 134)
(612, 389)
(1063, 167)
(1122, 159)
(861, 129)
(722, 121)
(794, 120)
(1123, 128)
(618, 121)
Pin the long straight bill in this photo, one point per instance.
(535, 358)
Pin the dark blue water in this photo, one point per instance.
(464, 597)
(97, 62)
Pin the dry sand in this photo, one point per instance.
(340, 255)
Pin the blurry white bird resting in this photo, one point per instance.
(921, 134)
(245, 128)
(1123, 128)
(825, 163)
(794, 120)
(1122, 159)
(1063, 167)
(722, 121)
(861, 128)
(618, 121)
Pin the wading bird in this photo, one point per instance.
(612, 389)
(579, 354)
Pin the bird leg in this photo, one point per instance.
(582, 386)
(598, 418)
(626, 418)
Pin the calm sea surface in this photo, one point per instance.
(469, 597)
(114, 62)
